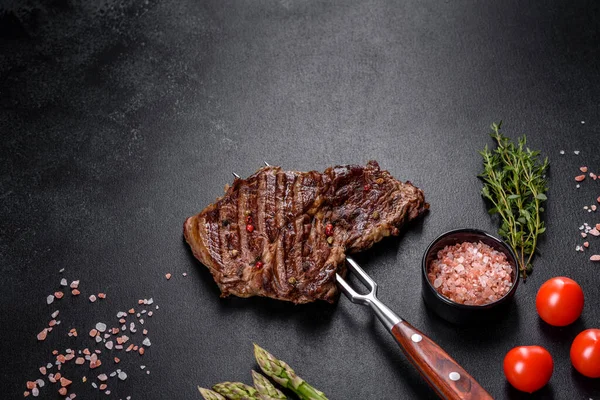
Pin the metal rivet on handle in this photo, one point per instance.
(416, 337)
(454, 376)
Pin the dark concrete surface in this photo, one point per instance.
(119, 119)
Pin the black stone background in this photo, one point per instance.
(119, 119)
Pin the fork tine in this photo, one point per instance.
(350, 293)
(346, 288)
(236, 175)
(362, 275)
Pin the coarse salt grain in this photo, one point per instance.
(471, 273)
(49, 299)
(42, 335)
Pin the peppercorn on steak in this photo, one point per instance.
(285, 234)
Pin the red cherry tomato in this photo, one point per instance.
(559, 301)
(528, 368)
(585, 353)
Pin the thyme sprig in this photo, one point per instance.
(514, 181)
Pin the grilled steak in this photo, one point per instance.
(285, 234)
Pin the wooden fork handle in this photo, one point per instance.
(444, 375)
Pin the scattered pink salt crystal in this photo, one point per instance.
(595, 257)
(42, 335)
(583, 169)
(586, 244)
(594, 232)
(580, 178)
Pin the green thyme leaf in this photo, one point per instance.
(514, 182)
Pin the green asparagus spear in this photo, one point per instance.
(236, 391)
(209, 394)
(265, 388)
(284, 375)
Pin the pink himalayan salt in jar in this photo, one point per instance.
(471, 273)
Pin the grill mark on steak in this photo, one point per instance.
(212, 226)
(289, 212)
(270, 210)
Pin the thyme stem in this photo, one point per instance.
(514, 181)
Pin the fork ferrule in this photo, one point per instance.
(387, 317)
